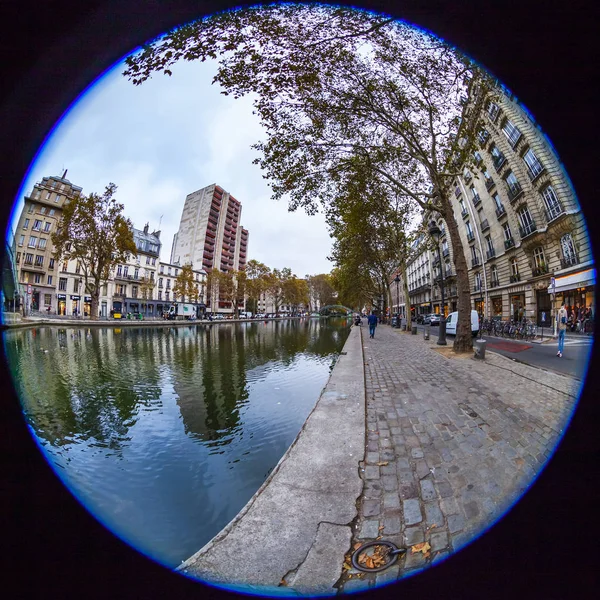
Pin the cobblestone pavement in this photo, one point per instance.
(452, 442)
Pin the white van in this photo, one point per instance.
(452, 321)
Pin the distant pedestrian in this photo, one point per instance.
(561, 319)
(372, 320)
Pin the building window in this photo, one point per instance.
(162, 269)
(51, 264)
(478, 157)
(65, 266)
(497, 157)
(47, 227)
(37, 278)
(30, 208)
(513, 184)
(495, 280)
(18, 257)
(153, 261)
(490, 245)
(463, 208)
(62, 284)
(134, 291)
(507, 231)
(147, 260)
(478, 280)
(121, 289)
(48, 194)
(47, 299)
(39, 260)
(159, 294)
(125, 270)
(568, 251)
(166, 295)
(32, 241)
(168, 284)
(551, 202)
(525, 217)
(49, 279)
(512, 133)
(78, 268)
(160, 282)
(43, 210)
(136, 273)
(51, 212)
(21, 240)
(538, 257)
(26, 224)
(168, 270)
(498, 202)
(534, 166)
(483, 135)
(475, 194)
(57, 198)
(468, 228)
(151, 275)
(28, 258)
(119, 270)
(493, 110)
(37, 225)
(514, 267)
(176, 272)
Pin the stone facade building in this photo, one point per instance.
(38, 271)
(521, 222)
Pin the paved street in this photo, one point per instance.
(573, 362)
(451, 443)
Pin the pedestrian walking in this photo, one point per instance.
(372, 320)
(561, 319)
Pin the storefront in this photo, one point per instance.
(479, 306)
(517, 306)
(576, 291)
(544, 308)
(87, 305)
(75, 305)
(496, 307)
(61, 307)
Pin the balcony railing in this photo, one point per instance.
(554, 211)
(527, 230)
(475, 262)
(464, 213)
(515, 278)
(569, 261)
(514, 191)
(470, 236)
(540, 270)
(495, 283)
(500, 211)
(476, 199)
(499, 163)
(489, 184)
(509, 243)
(477, 287)
(445, 252)
(491, 253)
(484, 225)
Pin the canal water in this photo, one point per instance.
(164, 433)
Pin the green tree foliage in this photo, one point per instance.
(94, 232)
(321, 289)
(257, 281)
(186, 287)
(339, 90)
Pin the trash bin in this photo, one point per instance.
(426, 331)
(479, 348)
(413, 329)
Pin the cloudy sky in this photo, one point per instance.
(168, 137)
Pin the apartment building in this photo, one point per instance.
(522, 226)
(37, 269)
(210, 235)
(166, 277)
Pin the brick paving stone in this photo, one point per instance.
(444, 464)
(356, 585)
(388, 576)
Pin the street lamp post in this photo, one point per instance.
(435, 232)
(397, 282)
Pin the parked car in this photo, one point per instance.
(431, 319)
(452, 321)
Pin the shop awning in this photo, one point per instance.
(573, 281)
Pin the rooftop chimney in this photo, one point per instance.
(64, 174)
(146, 228)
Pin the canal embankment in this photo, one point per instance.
(295, 530)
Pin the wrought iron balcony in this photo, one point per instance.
(491, 253)
(554, 211)
(495, 283)
(477, 287)
(470, 236)
(509, 243)
(475, 262)
(499, 163)
(485, 225)
(514, 191)
(569, 261)
(489, 184)
(515, 278)
(464, 213)
(476, 199)
(527, 230)
(500, 211)
(446, 252)
(540, 270)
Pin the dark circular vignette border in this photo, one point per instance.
(53, 543)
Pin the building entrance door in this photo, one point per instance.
(544, 308)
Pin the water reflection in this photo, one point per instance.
(165, 433)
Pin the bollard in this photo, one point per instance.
(479, 348)
(426, 331)
(413, 329)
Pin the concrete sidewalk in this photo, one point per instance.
(452, 442)
(295, 530)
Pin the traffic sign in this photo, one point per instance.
(29, 289)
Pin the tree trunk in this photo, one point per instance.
(463, 341)
(95, 302)
(406, 298)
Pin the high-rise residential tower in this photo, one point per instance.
(210, 235)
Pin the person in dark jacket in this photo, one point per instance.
(372, 320)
